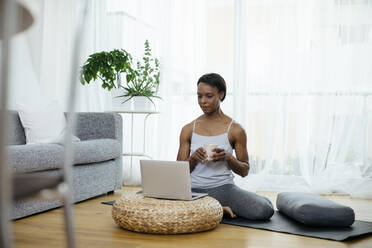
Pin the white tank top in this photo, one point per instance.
(211, 174)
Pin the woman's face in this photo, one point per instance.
(208, 97)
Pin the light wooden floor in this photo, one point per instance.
(95, 228)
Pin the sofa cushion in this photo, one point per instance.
(97, 150)
(35, 157)
(311, 209)
(43, 124)
(40, 157)
(98, 126)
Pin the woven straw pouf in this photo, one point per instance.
(148, 215)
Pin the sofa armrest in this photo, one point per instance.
(98, 125)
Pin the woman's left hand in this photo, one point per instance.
(220, 154)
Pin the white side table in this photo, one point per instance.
(131, 154)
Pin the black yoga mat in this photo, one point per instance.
(281, 223)
(108, 202)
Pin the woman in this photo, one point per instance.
(215, 176)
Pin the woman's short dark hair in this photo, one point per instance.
(215, 80)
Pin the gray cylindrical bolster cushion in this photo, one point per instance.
(313, 210)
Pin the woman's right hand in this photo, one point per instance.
(199, 155)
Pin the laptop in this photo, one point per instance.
(167, 180)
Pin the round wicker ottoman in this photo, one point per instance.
(148, 215)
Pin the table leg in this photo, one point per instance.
(144, 134)
(131, 143)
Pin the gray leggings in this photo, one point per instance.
(243, 203)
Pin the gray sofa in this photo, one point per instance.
(97, 159)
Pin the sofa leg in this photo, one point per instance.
(110, 192)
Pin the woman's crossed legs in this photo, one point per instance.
(243, 203)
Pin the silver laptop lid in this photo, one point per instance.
(166, 179)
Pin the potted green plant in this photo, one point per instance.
(141, 83)
(144, 83)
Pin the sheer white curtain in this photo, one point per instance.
(303, 73)
(25, 63)
(42, 55)
(298, 78)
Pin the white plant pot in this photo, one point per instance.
(117, 102)
(142, 103)
(136, 103)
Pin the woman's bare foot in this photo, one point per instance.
(227, 210)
